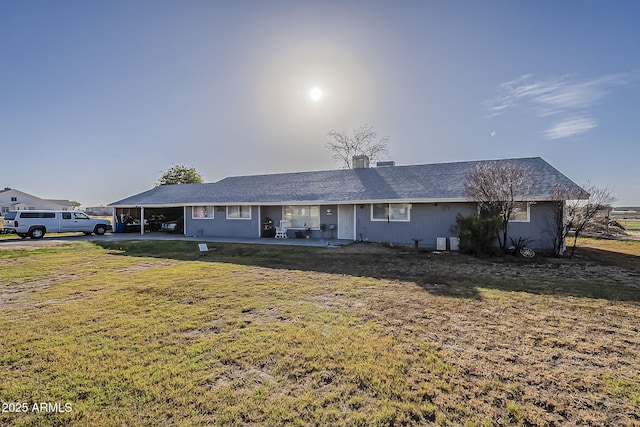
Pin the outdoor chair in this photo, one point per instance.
(281, 232)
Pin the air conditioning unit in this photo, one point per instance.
(441, 243)
(454, 243)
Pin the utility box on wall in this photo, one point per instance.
(454, 243)
(441, 243)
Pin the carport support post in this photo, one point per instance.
(142, 220)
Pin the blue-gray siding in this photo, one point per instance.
(428, 222)
(539, 228)
(220, 226)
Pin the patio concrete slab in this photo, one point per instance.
(256, 241)
(197, 239)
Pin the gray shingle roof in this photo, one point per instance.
(439, 181)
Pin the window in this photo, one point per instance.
(202, 212)
(66, 215)
(520, 212)
(238, 212)
(302, 216)
(391, 212)
(80, 215)
(14, 199)
(38, 215)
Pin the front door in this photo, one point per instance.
(345, 222)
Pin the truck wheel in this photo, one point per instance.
(100, 230)
(36, 233)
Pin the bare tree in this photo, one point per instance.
(497, 187)
(558, 223)
(363, 141)
(578, 212)
(562, 214)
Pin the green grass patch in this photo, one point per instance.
(630, 224)
(628, 389)
(630, 247)
(622, 253)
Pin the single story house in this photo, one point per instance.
(387, 203)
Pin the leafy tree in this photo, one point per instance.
(363, 141)
(497, 187)
(180, 174)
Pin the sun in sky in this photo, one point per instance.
(315, 93)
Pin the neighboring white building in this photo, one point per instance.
(16, 200)
(65, 205)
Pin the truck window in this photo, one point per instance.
(80, 215)
(66, 215)
(37, 215)
(10, 216)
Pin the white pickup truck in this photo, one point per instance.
(35, 223)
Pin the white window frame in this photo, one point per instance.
(388, 210)
(290, 218)
(208, 210)
(240, 211)
(520, 205)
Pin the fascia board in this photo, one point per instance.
(153, 205)
(320, 202)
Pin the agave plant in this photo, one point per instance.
(519, 247)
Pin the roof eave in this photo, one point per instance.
(311, 202)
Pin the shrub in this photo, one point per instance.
(477, 234)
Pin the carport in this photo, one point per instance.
(141, 219)
(155, 216)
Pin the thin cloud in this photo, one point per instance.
(569, 99)
(570, 127)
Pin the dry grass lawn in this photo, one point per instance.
(152, 334)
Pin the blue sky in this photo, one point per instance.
(97, 98)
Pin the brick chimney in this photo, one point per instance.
(360, 162)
